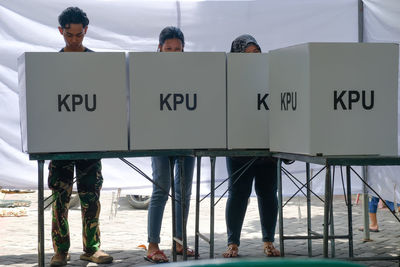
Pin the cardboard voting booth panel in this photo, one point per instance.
(73, 102)
(334, 99)
(178, 100)
(248, 101)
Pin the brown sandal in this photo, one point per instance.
(152, 257)
(232, 251)
(189, 252)
(270, 250)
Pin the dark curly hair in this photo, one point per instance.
(73, 15)
(171, 32)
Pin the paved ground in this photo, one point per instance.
(122, 234)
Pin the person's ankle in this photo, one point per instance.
(153, 247)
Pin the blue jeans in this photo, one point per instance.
(264, 172)
(161, 176)
(373, 205)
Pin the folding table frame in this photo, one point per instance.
(327, 161)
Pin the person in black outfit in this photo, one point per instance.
(263, 171)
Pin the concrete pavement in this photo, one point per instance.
(122, 235)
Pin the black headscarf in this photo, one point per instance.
(242, 42)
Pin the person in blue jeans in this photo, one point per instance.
(171, 40)
(263, 172)
(372, 209)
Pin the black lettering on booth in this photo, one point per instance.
(262, 101)
(352, 97)
(289, 100)
(188, 101)
(70, 102)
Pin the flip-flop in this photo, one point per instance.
(188, 250)
(271, 251)
(231, 252)
(371, 230)
(150, 257)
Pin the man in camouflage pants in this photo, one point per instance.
(73, 26)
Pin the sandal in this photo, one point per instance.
(370, 229)
(97, 257)
(232, 251)
(150, 257)
(270, 250)
(189, 252)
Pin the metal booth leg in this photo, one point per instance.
(331, 218)
(197, 223)
(212, 196)
(309, 229)
(280, 208)
(171, 174)
(366, 233)
(326, 210)
(40, 214)
(349, 212)
(183, 207)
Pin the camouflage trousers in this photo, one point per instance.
(89, 181)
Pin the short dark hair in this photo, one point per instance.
(73, 15)
(171, 32)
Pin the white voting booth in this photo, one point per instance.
(334, 99)
(247, 101)
(72, 102)
(206, 100)
(178, 100)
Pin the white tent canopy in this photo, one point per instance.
(126, 25)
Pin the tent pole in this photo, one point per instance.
(360, 21)
(178, 14)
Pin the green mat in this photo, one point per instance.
(266, 262)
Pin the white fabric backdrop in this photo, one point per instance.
(127, 25)
(382, 24)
